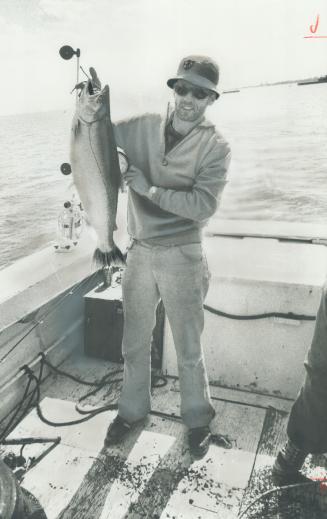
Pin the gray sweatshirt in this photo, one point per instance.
(190, 179)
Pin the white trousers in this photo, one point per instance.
(179, 276)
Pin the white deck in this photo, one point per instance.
(250, 362)
(151, 473)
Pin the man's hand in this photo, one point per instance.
(136, 180)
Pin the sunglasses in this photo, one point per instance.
(197, 92)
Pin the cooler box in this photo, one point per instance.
(104, 323)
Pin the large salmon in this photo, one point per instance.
(95, 168)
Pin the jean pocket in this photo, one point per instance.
(206, 270)
(205, 276)
(129, 251)
(192, 252)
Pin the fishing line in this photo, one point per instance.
(18, 342)
(11, 424)
(12, 419)
(274, 491)
(78, 53)
(256, 454)
(45, 315)
(86, 74)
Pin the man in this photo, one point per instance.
(307, 425)
(176, 178)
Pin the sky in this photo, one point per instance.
(135, 45)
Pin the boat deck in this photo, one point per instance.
(151, 473)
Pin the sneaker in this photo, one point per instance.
(117, 430)
(199, 440)
(284, 473)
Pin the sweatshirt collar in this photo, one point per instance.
(204, 123)
(166, 117)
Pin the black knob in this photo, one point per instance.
(65, 168)
(67, 52)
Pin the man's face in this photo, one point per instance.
(187, 106)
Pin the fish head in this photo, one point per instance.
(93, 104)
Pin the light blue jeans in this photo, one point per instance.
(179, 276)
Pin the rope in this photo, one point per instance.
(77, 379)
(290, 315)
(97, 385)
(157, 381)
(88, 416)
(217, 439)
(51, 422)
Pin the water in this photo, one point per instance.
(33, 146)
(278, 139)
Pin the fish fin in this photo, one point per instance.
(106, 259)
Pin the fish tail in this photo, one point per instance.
(106, 259)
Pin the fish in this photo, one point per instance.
(95, 167)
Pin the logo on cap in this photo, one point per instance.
(188, 63)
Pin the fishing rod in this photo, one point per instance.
(68, 220)
(67, 52)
